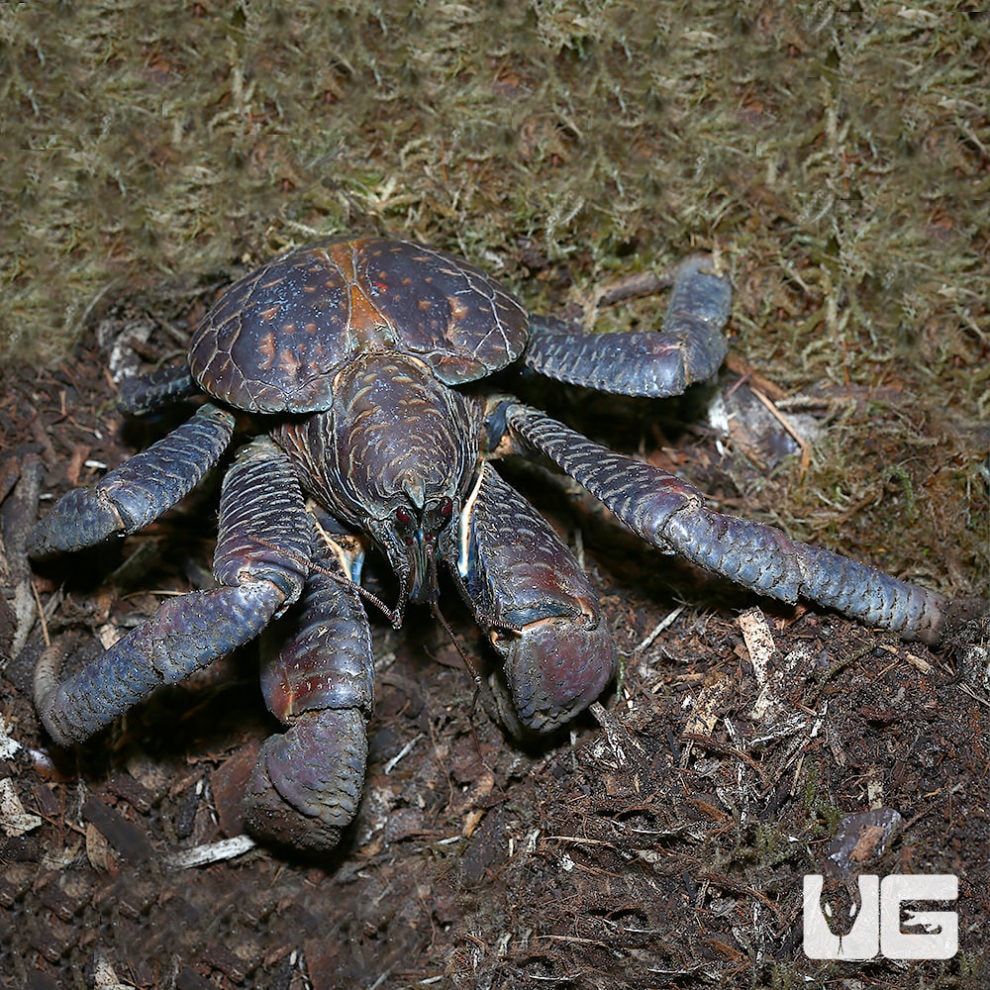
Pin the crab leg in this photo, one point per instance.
(145, 393)
(689, 348)
(320, 683)
(533, 599)
(264, 534)
(137, 492)
(670, 514)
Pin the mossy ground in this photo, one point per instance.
(835, 156)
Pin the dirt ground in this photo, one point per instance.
(663, 847)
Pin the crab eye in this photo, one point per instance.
(403, 516)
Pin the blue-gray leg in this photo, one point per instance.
(670, 514)
(260, 562)
(137, 492)
(535, 603)
(318, 679)
(161, 387)
(689, 347)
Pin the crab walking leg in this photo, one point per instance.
(533, 599)
(670, 514)
(261, 507)
(137, 492)
(689, 347)
(144, 393)
(318, 679)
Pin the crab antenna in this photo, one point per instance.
(482, 687)
(394, 615)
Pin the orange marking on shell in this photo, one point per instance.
(458, 311)
(340, 255)
(266, 348)
(269, 314)
(289, 363)
(366, 322)
(364, 317)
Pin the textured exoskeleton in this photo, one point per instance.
(357, 349)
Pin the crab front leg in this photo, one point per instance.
(264, 534)
(689, 347)
(137, 492)
(533, 599)
(318, 679)
(670, 514)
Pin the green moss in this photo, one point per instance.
(784, 976)
(773, 846)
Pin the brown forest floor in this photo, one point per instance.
(666, 850)
(836, 156)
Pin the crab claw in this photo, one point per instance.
(531, 596)
(307, 782)
(553, 668)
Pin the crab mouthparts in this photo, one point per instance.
(422, 579)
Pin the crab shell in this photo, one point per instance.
(275, 340)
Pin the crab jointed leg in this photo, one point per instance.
(139, 491)
(670, 514)
(159, 388)
(318, 678)
(261, 508)
(689, 348)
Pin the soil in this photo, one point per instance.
(661, 842)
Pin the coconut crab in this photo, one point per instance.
(349, 353)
